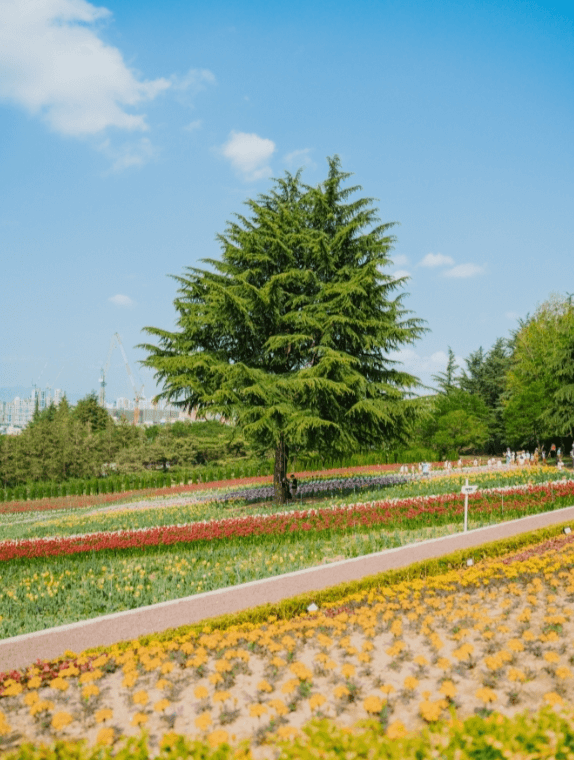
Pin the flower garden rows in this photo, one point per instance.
(241, 485)
(411, 512)
(497, 636)
(199, 507)
(80, 498)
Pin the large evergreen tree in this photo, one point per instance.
(289, 334)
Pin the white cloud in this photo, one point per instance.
(400, 260)
(192, 126)
(120, 300)
(464, 270)
(186, 87)
(195, 80)
(299, 158)
(249, 154)
(54, 64)
(436, 260)
(414, 363)
(424, 367)
(128, 155)
(401, 273)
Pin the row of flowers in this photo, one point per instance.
(79, 502)
(391, 513)
(318, 487)
(74, 502)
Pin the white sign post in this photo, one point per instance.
(466, 489)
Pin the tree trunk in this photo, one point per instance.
(280, 472)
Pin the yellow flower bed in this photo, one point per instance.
(494, 636)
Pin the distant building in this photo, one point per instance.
(16, 414)
(149, 413)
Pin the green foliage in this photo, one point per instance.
(89, 412)
(539, 381)
(447, 380)
(486, 378)
(543, 735)
(69, 443)
(525, 386)
(289, 334)
(559, 415)
(457, 421)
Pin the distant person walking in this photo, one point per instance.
(285, 487)
(293, 486)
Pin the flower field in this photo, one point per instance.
(488, 645)
(201, 507)
(308, 482)
(407, 513)
(51, 591)
(46, 582)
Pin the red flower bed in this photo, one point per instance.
(390, 513)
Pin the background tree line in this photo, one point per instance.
(64, 442)
(520, 393)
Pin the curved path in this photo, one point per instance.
(21, 651)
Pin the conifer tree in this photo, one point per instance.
(288, 335)
(448, 380)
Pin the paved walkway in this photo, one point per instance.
(21, 651)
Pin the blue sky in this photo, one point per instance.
(131, 132)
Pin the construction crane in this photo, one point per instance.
(138, 394)
(104, 372)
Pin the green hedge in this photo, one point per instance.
(205, 474)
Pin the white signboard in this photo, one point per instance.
(466, 490)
